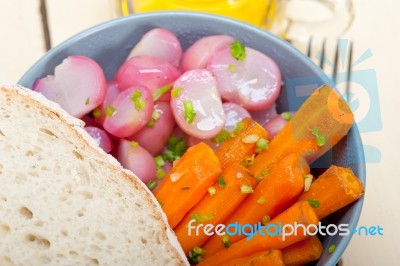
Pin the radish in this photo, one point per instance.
(112, 92)
(101, 138)
(159, 43)
(137, 159)
(129, 112)
(196, 104)
(78, 85)
(234, 114)
(254, 81)
(198, 55)
(263, 116)
(154, 136)
(276, 124)
(146, 71)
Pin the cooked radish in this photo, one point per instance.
(136, 159)
(254, 81)
(234, 114)
(198, 55)
(129, 112)
(276, 124)
(154, 136)
(101, 138)
(112, 92)
(78, 85)
(159, 43)
(196, 104)
(146, 71)
(89, 121)
(263, 116)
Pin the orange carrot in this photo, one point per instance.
(272, 257)
(214, 208)
(303, 252)
(334, 189)
(319, 124)
(243, 145)
(273, 194)
(187, 182)
(300, 213)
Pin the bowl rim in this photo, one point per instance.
(361, 167)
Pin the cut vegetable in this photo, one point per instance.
(303, 252)
(272, 257)
(198, 169)
(276, 124)
(101, 138)
(112, 92)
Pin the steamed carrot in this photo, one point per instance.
(187, 182)
(272, 257)
(277, 191)
(334, 189)
(319, 124)
(223, 197)
(243, 145)
(303, 252)
(300, 213)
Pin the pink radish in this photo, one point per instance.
(196, 104)
(276, 124)
(198, 55)
(234, 114)
(101, 138)
(154, 136)
(129, 112)
(89, 121)
(263, 116)
(253, 83)
(112, 92)
(159, 43)
(137, 159)
(146, 71)
(78, 85)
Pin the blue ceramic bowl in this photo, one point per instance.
(110, 43)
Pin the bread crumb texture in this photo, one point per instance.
(63, 203)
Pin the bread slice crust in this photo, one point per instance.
(48, 151)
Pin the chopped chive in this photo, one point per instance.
(137, 100)
(232, 68)
(201, 218)
(110, 110)
(194, 256)
(176, 147)
(249, 160)
(159, 161)
(287, 116)
(152, 185)
(160, 173)
(265, 219)
(134, 143)
(198, 250)
(176, 92)
(253, 138)
(239, 127)
(212, 191)
(158, 93)
(259, 178)
(332, 248)
(262, 144)
(87, 101)
(245, 189)
(238, 50)
(226, 241)
(154, 117)
(190, 114)
(222, 136)
(261, 200)
(313, 203)
(96, 113)
(185, 188)
(320, 139)
(221, 182)
(307, 181)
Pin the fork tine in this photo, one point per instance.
(309, 47)
(336, 62)
(322, 59)
(349, 67)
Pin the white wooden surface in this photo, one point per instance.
(377, 27)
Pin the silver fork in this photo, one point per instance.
(336, 62)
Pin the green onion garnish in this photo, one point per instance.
(238, 50)
(262, 144)
(287, 116)
(212, 191)
(313, 203)
(332, 248)
(176, 92)
(232, 68)
(320, 139)
(221, 137)
(158, 93)
(226, 241)
(190, 114)
(221, 182)
(137, 100)
(110, 110)
(159, 161)
(160, 173)
(96, 113)
(154, 117)
(261, 200)
(87, 101)
(249, 160)
(245, 189)
(152, 185)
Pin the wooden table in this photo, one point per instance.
(376, 27)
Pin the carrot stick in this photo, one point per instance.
(241, 146)
(300, 213)
(319, 124)
(334, 189)
(272, 257)
(188, 181)
(221, 200)
(303, 252)
(273, 194)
